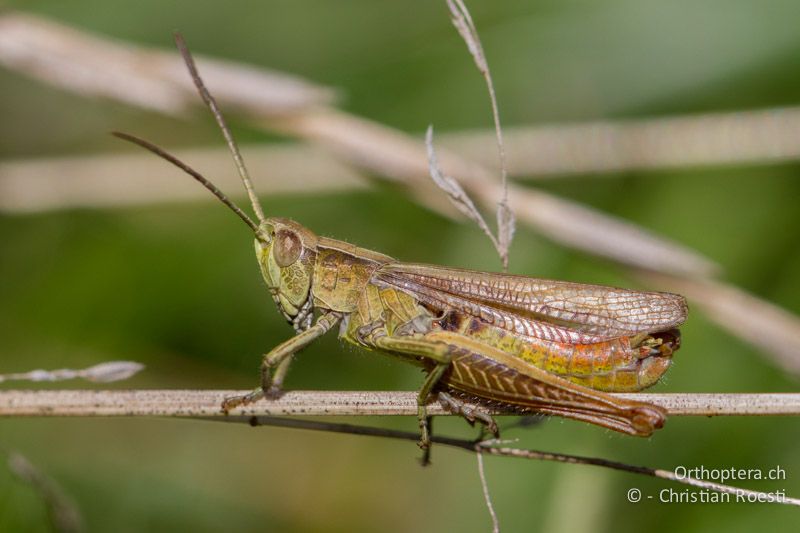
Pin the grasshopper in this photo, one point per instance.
(484, 339)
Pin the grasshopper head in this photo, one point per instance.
(286, 252)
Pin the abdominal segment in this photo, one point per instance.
(625, 364)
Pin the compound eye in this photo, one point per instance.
(287, 247)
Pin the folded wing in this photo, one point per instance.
(558, 311)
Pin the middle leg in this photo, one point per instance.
(439, 353)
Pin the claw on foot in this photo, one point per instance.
(273, 393)
(425, 436)
(424, 442)
(470, 413)
(237, 401)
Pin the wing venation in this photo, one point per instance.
(553, 310)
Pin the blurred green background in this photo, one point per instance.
(176, 286)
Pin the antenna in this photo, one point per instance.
(160, 152)
(212, 105)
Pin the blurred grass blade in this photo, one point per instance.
(588, 230)
(365, 144)
(389, 153)
(151, 79)
(766, 326)
(600, 149)
(55, 183)
(62, 512)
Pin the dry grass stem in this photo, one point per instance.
(462, 20)
(206, 403)
(457, 195)
(485, 487)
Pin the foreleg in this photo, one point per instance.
(281, 357)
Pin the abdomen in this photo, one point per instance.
(613, 366)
